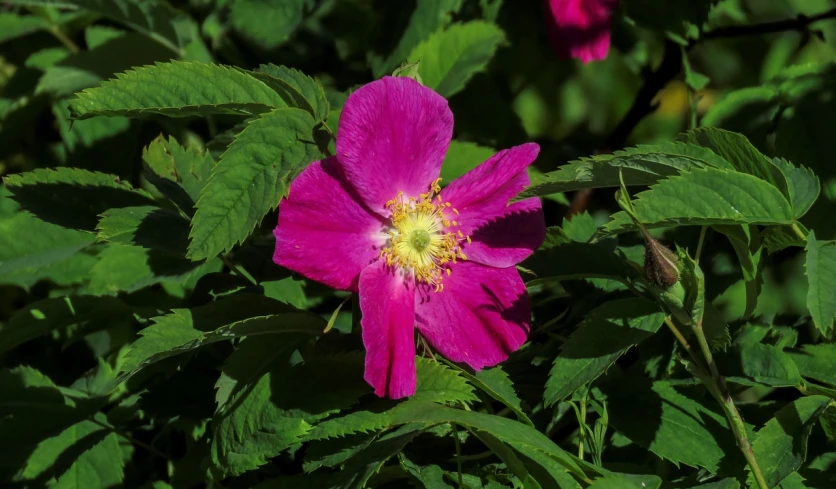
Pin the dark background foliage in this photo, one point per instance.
(132, 357)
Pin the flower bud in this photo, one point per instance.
(661, 265)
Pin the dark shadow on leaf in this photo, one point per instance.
(75, 206)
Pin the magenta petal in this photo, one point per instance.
(324, 232)
(394, 134)
(480, 316)
(510, 238)
(581, 28)
(501, 235)
(387, 301)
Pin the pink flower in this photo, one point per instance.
(581, 28)
(373, 220)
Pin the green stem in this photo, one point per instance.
(700, 245)
(65, 39)
(458, 455)
(716, 385)
(226, 261)
(133, 440)
(798, 232)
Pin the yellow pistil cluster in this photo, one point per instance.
(420, 241)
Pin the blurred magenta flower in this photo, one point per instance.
(581, 28)
(374, 220)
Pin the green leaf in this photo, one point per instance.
(621, 482)
(149, 227)
(99, 467)
(44, 460)
(803, 184)
(642, 165)
(439, 383)
(747, 246)
(606, 333)
(170, 89)
(253, 357)
(738, 151)
(777, 238)
(251, 178)
(178, 172)
(674, 426)
(816, 362)
(296, 88)
(820, 268)
(44, 316)
(450, 57)
(756, 363)
(13, 25)
(127, 268)
(723, 484)
(32, 250)
(495, 382)
(87, 69)
(679, 21)
(461, 158)
(267, 23)
(781, 445)
(350, 424)
(71, 197)
(706, 197)
(520, 436)
(280, 409)
(32, 409)
(368, 461)
(84, 134)
(428, 17)
(153, 18)
(185, 330)
(562, 258)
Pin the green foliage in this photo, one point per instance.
(449, 58)
(820, 268)
(606, 333)
(781, 445)
(149, 340)
(670, 422)
(736, 198)
(250, 179)
(168, 89)
(267, 23)
(72, 198)
(178, 173)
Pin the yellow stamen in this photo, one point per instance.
(419, 241)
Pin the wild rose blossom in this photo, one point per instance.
(373, 220)
(581, 28)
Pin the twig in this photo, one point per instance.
(643, 103)
(226, 261)
(133, 440)
(799, 23)
(65, 39)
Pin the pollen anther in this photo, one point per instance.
(419, 241)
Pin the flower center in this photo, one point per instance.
(420, 240)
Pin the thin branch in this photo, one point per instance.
(643, 103)
(799, 23)
(226, 261)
